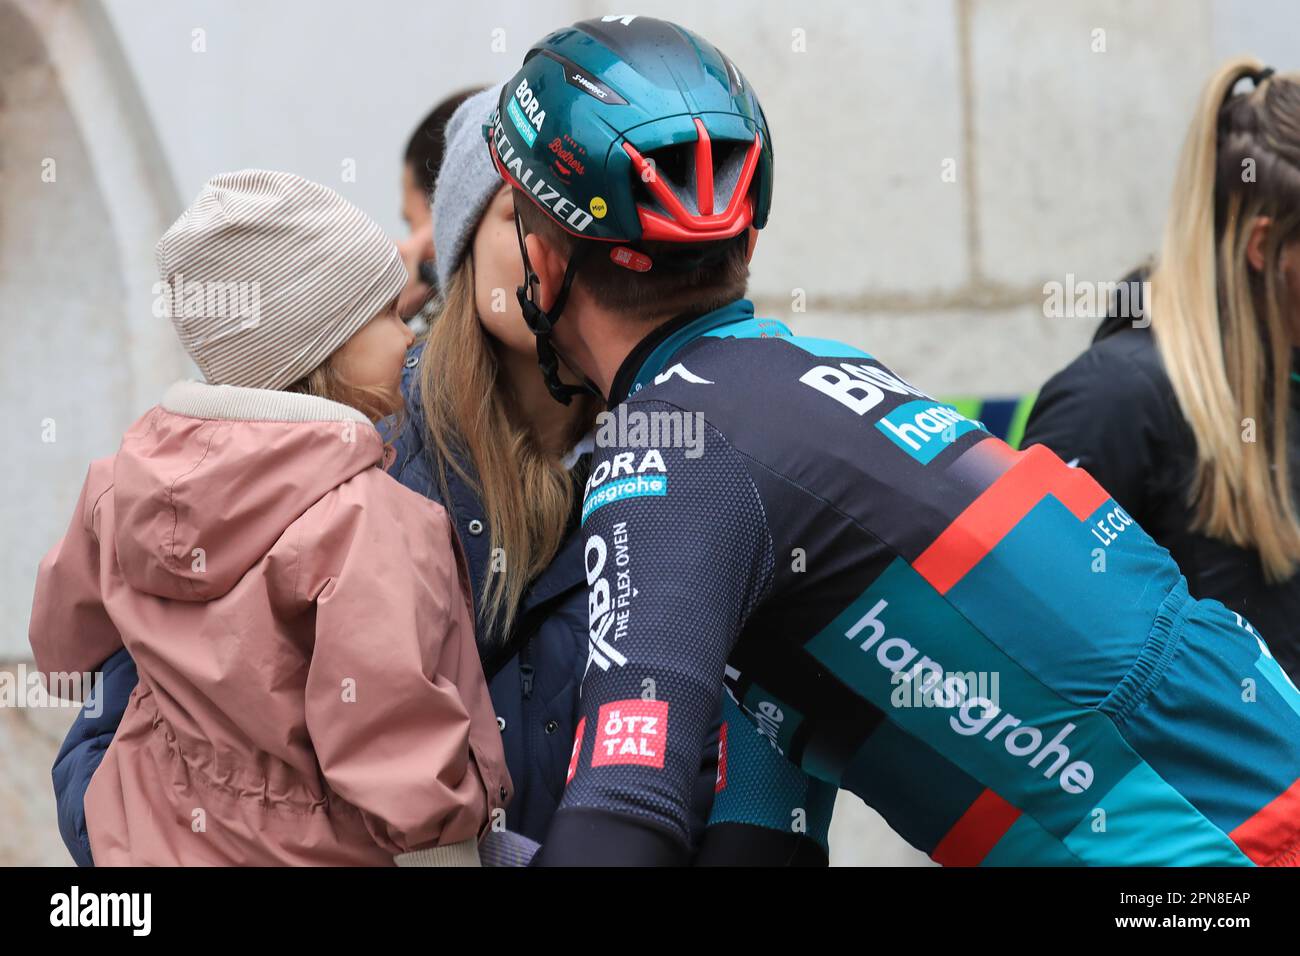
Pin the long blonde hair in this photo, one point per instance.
(1223, 330)
(526, 492)
(326, 381)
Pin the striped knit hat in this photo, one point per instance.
(266, 274)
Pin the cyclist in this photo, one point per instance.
(980, 643)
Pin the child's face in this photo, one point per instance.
(373, 357)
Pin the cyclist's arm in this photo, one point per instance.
(706, 779)
(766, 812)
(676, 560)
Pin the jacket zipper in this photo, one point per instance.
(526, 629)
(526, 671)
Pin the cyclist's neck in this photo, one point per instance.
(647, 357)
(610, 342)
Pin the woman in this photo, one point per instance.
(1188, 420)
(482, 436)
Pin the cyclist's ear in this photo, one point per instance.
(549, 264)
(753, 241)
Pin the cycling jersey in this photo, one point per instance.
(978, 642)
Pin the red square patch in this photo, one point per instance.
(631, 731)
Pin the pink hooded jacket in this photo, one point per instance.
(310, 691)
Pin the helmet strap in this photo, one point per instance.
(542, 323)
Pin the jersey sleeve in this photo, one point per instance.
(677, 554)
(766, 811)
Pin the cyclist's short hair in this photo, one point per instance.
(720, 273)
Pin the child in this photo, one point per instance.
(310, 691)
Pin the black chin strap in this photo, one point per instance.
(542, 323)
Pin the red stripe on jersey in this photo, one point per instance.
(984, 823)
(721, 783)
(987, 520)
(1271, 837)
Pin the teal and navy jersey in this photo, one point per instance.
(978, 642)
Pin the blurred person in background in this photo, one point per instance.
(1184, 406)
(420, 165)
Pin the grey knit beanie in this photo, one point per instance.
(266, 274)
(467, 181)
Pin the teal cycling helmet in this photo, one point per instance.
(631, 128)
(625, 130)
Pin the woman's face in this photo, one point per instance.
(498, 271)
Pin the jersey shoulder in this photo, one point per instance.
(783, 398)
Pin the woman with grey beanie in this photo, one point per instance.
(484, 438)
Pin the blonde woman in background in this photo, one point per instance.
(1189, 420)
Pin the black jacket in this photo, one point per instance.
(1113, 412)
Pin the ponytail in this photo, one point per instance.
(1222, 331)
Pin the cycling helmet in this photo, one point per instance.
(625, 130)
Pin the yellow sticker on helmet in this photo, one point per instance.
(598, 207)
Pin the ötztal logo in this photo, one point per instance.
(631, 732)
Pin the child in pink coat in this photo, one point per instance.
(310, 691)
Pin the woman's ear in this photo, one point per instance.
(1255, 244)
